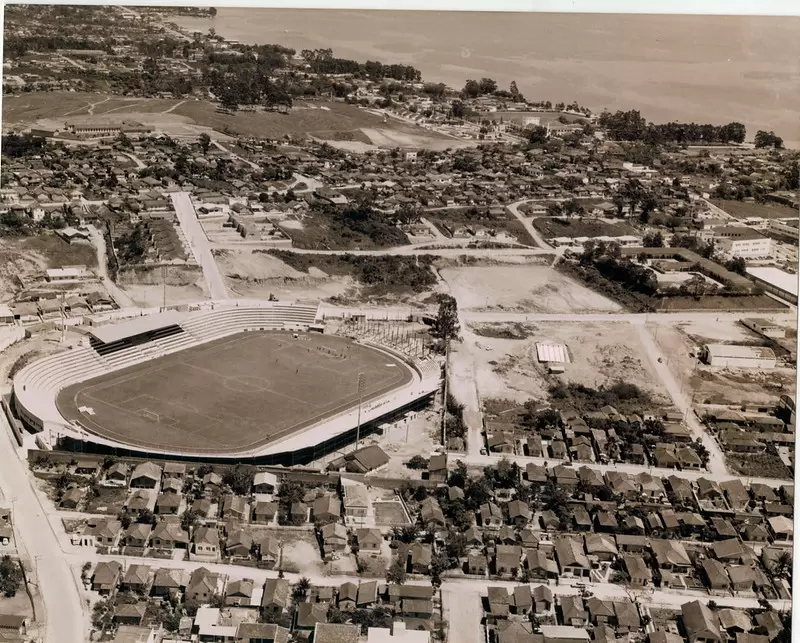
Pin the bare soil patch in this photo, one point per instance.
(146, 286)
(711, 385)
(550, 227)
(744, 209)
(600, 353)
(522, 288)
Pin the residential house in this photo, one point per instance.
(437, 468)
(235, 507)
(71, 498)
(264, 512)
(136, 579)
(573, 611)
(477, 563)
(137, 534)
(626, 615)
(168, 582)
(169, 534)
(571, 558)
(521, 600)
(130, 613)
(369, 540)
(206, 543)
(600, 547)
(239, 544)
(326, 509)
(168, 503)
(507, 559)
(700, 623)
(420, 556)
(276, 594)
(146, 475)
(491, 516)
(203, 585)
(670, 555)
(106, 577)
(117, 474)
(239, 593)
(599, 611)
(519, 513)
(367, 594)
(499, 602)
(307, 615)
(431, 513)
(175, 470)
(334, 537)
(261, 633)
(265, 482)
(336, 633)
(637, 569)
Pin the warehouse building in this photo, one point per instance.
(731, 356)
(765, 327)
(775, 281)
(554, 355)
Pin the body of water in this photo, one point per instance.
(686, 68)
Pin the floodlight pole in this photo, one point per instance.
(360, 395)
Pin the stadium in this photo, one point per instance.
(220, 381)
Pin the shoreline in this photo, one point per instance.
(601, 79)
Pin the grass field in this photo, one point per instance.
(744, 209)
(336, 122)
(233, 394)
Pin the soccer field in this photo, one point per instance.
(233, 394)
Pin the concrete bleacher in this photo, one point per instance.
(37, 385)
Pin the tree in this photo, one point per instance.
(189, 519)
(446, 325)
(537, 135)
(472, 89)
(457, 109)
(10, 576)
(768, 139)
(782, 566)
(240, 478)
(300, 589)
(397, 571)
(487, 86)
(417, 462)
(653, 240)
(515, 93)
(737, 265)
(205, 142)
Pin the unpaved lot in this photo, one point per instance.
(523, 288)
(146, 288)
(600, 352)
(711, 385)
(259, 275)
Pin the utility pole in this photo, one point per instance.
(63, 318)
(164, 279)
(360, 395)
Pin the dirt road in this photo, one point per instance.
(117, 294)
(527, 222)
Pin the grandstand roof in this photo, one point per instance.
(137, 326)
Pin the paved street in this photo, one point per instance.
(117, 294)
(65, 618)
(199, 245)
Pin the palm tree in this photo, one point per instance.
(301, 588)
(782, 565)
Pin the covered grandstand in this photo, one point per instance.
(132, 344)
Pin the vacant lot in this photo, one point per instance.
(233, 394)
(601, 353)
(711, 385)
(146, 286)
(110, 501)
(300, 549)
(744, 209)
(525, 288)
(763, 465)
(505, 225)
(580, 228)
